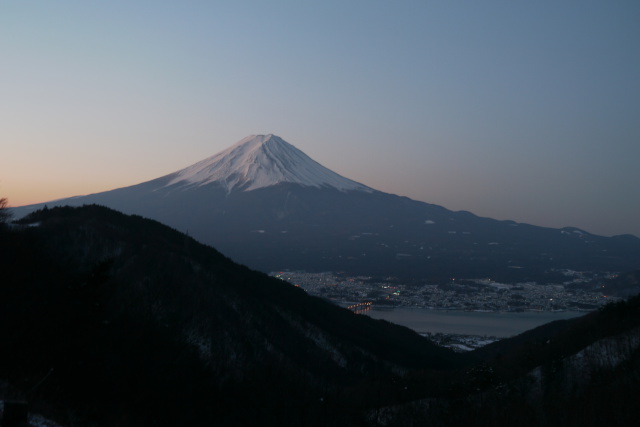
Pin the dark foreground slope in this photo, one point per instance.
(108, 319)
(578, 372)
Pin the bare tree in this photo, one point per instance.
(5, 213)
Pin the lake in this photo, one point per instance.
(467, 322)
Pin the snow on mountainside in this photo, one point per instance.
(262, 161)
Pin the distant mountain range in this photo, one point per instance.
(264, 203)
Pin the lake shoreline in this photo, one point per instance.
(480, 323)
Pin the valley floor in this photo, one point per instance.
(580, 292)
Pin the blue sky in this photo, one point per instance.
(509, 109)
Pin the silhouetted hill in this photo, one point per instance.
(578, 372)
(121, 320)
(562, 338)
(109, 319)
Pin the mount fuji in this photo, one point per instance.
(261, 161)
(266, 204)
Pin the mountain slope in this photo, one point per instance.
(267, 205)
(110, 319)
(578, 372)
(129, 321)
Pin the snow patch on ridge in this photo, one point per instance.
(262, 161)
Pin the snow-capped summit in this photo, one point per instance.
(259, 161)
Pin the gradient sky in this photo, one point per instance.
(522, 110)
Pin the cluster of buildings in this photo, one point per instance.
(471, 295)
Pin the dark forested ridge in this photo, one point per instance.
(128, 319)
(109, 319)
